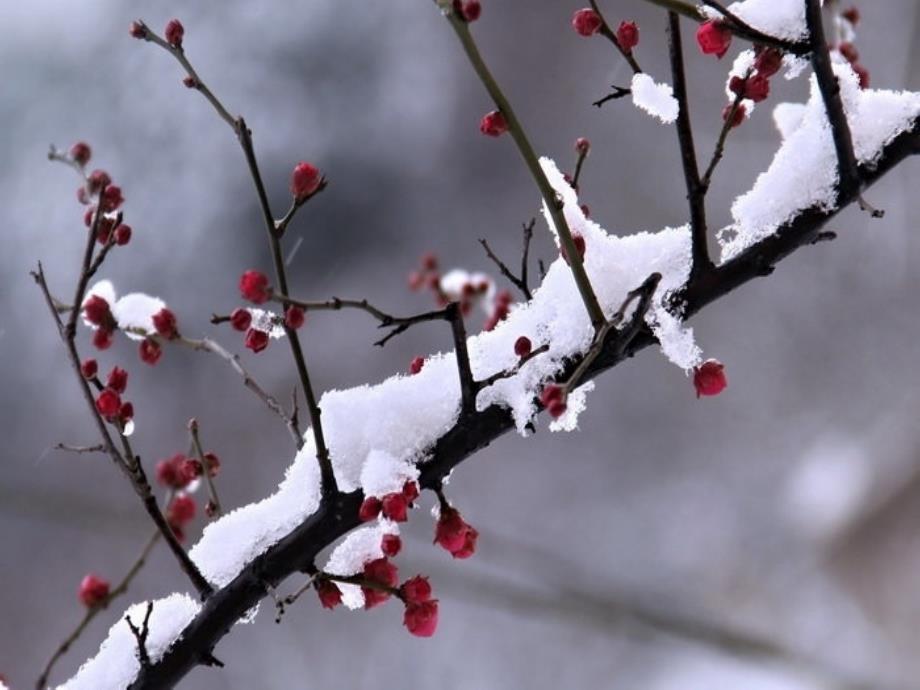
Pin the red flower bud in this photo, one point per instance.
(81, 153)
(150, 351)
(851, 15)
(102, 339)
(768, 61)
(849, 51)
(471, 10)
(165, 323)
(126, 412)
(709, 378)
(329, 593)
(174, 33)
(108, 403)
(111, 198)
(429, 261)
(493, 124)
(97, 181)
(395, 507)
(118, 380)
(294, 317)
(450, 530)
(213, 463)
(89, 368)
(256, 340)
(190, 82)
(586, 22)
(628, 36)
(736, 115)
(382, 572)
(254, 287)
(582, 146)
(122, 235)
(422, 618)
(714, 38)
(172, 473)
(757, 88)
(96, 310)
(137, 30)
(240, 319)
(93, 590)
(550, 394)
(415, 366)
(391, 545)
(181, 510)
(863, 75)
(736, 85)
(410, 491)
(369, 509)
(305, 180)
(522, 346)
(416, 589)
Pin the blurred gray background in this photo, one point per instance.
(786, 509)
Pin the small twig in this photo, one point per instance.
(205, 469)
(98, 448)
(399, 324)
(607, 32)
(643, 293)
(618, 92)
(361, 581)
(519, 283)
(282, 224)
(826, 236)
(727, 126)
(508, 373)
(516, 130)
(92, 612)
(215, 348)
(291, 598)
(141, 635)
(869, 208)
(62, 157)
(696, 193)
(525, 255)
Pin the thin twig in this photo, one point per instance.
(399, 324)
(141, 635)
(205, 468)
(508, 373)
(98, 448)
(550, 198)
(274, 230)
(92, 612)
(696, 193)
(215, 348)
(607, 32)
(727, 126)
(618, 92)
(282, 223)
(519, 283)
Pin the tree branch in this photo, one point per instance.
(472, 432)
(607, 32)
(696, 193)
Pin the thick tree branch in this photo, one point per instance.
(297, 551)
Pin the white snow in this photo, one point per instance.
(116, 663)
(803, 173)
(133, 313)
(655, 99)
(239, 536)
(356, 549)
(267, 321)
(778, 18)
(384, 473)
(788, 118)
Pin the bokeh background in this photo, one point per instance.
(639, 552)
